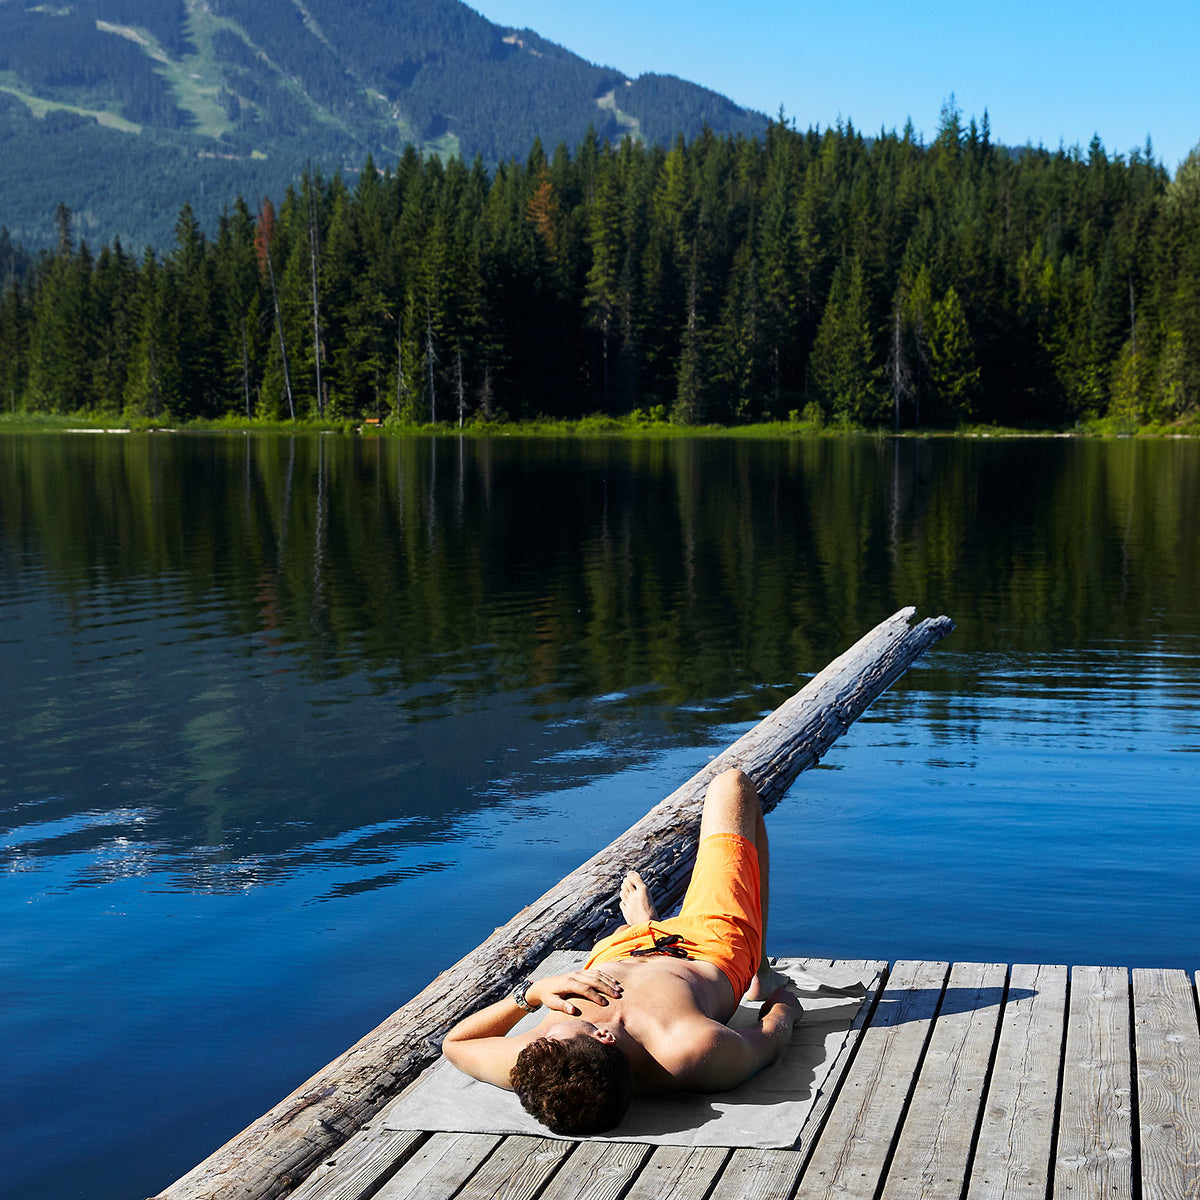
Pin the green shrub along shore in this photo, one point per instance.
(794, 282)
(596, 425)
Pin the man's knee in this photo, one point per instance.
(735, 784)
(731, 805)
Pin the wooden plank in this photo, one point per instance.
(1167, 1046)
(357, 1169)
(678, 1173)
(1094, 1157)
(874, 970)
(759, 1175)
(440, 1167)
(852, 1152)
(1012, 1153)
(773, 1173)
(597, 1171)
(285, 1145)
(935, 1143)
(517, 1170)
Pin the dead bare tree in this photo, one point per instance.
(313, 247)
(287, 376)
(430, 362)
(899, 371)
(458, 383)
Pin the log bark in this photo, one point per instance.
(276, 1152)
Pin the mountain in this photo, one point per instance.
(125, 109)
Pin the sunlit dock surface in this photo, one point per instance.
(965, 1080)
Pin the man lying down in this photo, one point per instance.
(647, 1011)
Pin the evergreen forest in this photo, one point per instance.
(820, 275)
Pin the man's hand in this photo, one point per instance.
(477, 1044)
(554, 990)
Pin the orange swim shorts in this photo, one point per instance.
(721, 918)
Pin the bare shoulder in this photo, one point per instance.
(696, 1045)
(707, 1056)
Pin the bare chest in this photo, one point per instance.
(667, 990)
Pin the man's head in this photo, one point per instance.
(579, 1085)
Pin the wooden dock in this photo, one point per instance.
(971, 1080)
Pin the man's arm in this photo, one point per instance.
(733, 1055)
(477, 1044)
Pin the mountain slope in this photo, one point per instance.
(201, 99)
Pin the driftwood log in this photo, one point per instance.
(278, 1151)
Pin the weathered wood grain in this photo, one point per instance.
(275, 1153)
(678, 1173)
(852, 1152)
(597, 1171)
(517, 1170)
(440, 1167)
(1094, 1158)
(1012, 1154)
(932, 1152)
(357, 1169)
(1167, 1046)
(758, 1175)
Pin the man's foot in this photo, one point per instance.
(636, 905)
(764, 983)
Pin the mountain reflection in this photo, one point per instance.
(231, 659)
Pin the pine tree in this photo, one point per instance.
(1179, 285)
(189, 268)
(14, 342)
(842, 371)
(113, 284)
(606, 247)
(152, 386)
(741, 371)
(62, 335)
(780, 257)
(918, 320)
(690, 407)
(952, 367)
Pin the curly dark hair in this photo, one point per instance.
(577, 1087)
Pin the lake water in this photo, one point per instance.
(290, 725)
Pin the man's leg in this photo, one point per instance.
(731, 805)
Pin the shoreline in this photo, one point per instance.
(583, 427)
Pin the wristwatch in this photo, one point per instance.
(518, 996)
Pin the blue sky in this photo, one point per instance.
(1048, 72)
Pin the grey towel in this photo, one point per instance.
(767, 1111)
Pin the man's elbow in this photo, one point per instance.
(452, 1045)
(458, 1054)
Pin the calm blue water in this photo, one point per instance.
(290, 726)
